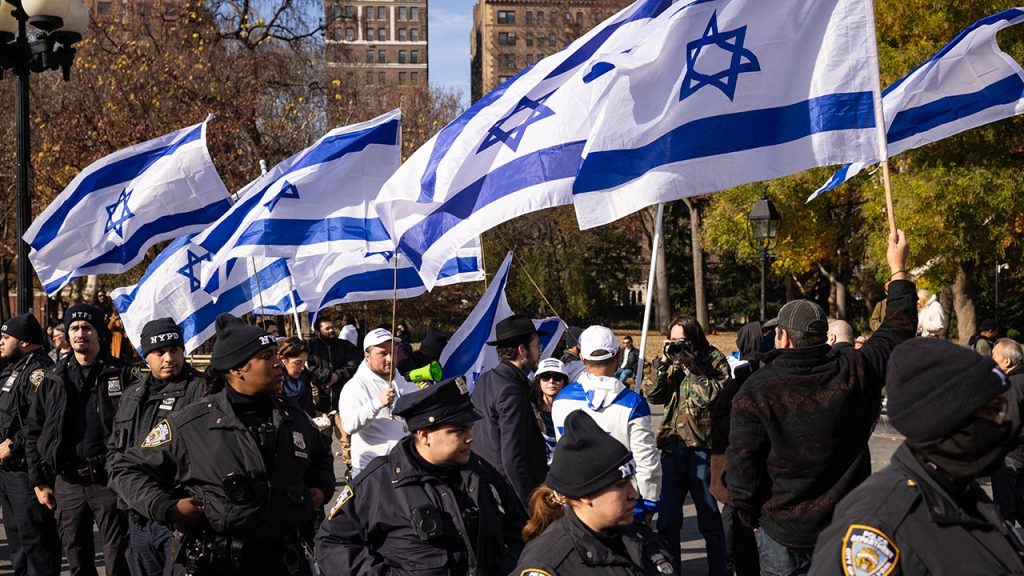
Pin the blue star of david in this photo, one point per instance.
(513, 136)
(743, 60)
(288, 190)
(113, 222)
(188, 270)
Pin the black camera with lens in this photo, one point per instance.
(427, 522)
(675, 349)
(237, 487)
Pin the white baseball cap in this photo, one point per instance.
(551, 365)
(376, 338)
(598, 343)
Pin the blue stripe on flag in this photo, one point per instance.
(287, 232)
(544, 165)
(124, 170)
(122, 302)
(727, 133)
(913, 121)
(384, 280)
(232, 298)
(329, 149)
(838, 178)
(550, 328)
(460, 361)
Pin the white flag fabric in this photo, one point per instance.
(467, 353)
(315, 202)
(345, 277)
(171, 287)
(968, 83)
(722, 93)
(514, 151)
(122, 204)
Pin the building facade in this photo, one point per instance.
(100, 10)
(509, 35)
(379, 43)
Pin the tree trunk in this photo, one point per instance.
(697, 247)
(964, 290)
(5, 290)
(837, 294)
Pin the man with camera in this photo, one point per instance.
(690, 374)
(431, 506)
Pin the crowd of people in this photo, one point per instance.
(546, 467)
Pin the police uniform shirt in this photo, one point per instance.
(902, 521)
(150, 400)
(84, 401)
(569, 548)
(18, 383)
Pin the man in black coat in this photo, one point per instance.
(630, 358)
(430, 506)
(1008, 479)
(31, 530)
(508, 436)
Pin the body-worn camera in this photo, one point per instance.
(427, 522)
(674, 349)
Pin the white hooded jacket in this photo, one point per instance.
(374, 432)
(622, 413)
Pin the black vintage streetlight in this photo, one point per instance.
(764, 223)
(58, 25)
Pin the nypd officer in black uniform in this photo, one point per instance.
(32, 540)
(240, 473)
(66, 444)
(582, 516)
(171, 385)
(925, 513)
(431, 506)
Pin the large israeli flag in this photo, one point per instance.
(346, 277)
(467, 353)
(316, 202)
(970, 82)
(121, 205)
(171, 287)
(515, 151)
(722, 93)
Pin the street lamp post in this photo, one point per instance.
(58, 25)
(764, 224)
(999, 268)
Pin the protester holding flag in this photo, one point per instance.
(171, 385)
(508, 437)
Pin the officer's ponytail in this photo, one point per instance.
(545, 507)
(215, 380)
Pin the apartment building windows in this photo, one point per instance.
(506, 17)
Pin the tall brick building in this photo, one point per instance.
(103, 9)
(377, 43)
(509, 35)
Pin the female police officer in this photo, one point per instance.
(581, 518)
(240, 473)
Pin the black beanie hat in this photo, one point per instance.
(87, 312)
(237, 342)
(933, 385)
(24, 327)
(160, 333)
(433, 344)
(587, 459)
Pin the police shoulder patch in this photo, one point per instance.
(867, 551)
(159, 435)
(535, 572)
(345, 495)
(36, 377)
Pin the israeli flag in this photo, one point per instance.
(121, 205)
(316, 202)
(722, 93)
(968, 83)
(467, 353)
(513, 152)
(553, 328)
(346, 277)
(171, 287)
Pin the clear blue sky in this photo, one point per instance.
(450, 24)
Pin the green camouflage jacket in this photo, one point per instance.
(687, 393)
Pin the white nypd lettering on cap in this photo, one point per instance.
(267, 340)
(166, 337)
(3, 328)
(628, 469)
(81, 316)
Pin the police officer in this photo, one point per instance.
(241, 473)
(171, 385)
(66, 443)
(582, 516)
(431, 506)
(925, 513)
(32, 539)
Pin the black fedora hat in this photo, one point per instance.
(513, 328)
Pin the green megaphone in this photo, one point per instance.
(431, 372)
